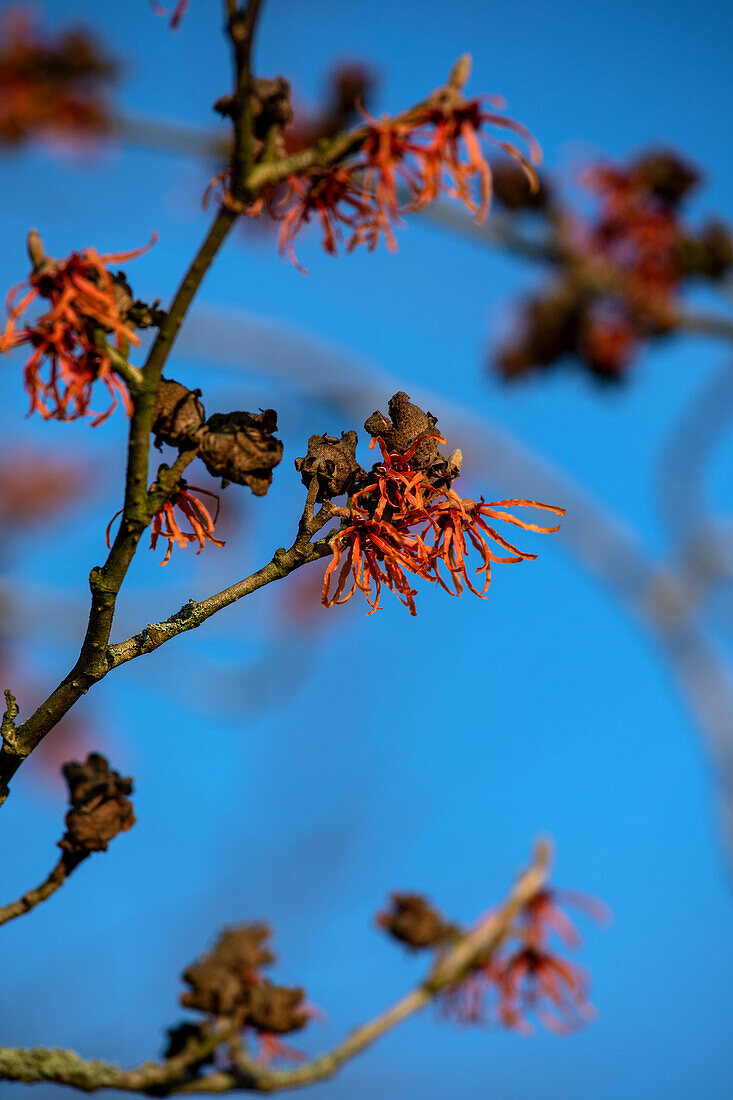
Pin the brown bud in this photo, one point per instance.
(179, 415)
(240, 447)
(413, 921)
(274, 1008)
(666, 175)
(100, 807)
(333, 462)
(242, 949)
(214, 988)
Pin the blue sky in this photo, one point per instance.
(296, 773)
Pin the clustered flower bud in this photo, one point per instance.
(413, 921)
(228, 982)
(240, 447)
(179, 415)
(333, 463)
(100, 808)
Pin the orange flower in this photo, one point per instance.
(165, 525)
(401, 521)
(377, 553)
(388, 157)
(399, 487)
(452, 519)
(544, 916)
(453, 160)
(336, 200)
(82, 295)
(636, 231)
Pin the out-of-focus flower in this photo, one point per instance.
(620, 268)
(453, 160)
(530, 980)
(175, 16)
(336, 200)
(435, 148)
(35, 487)
(165, 524)
(545, 915)
(50, 87)
(607, 341)
(85, 299)
(635, 231)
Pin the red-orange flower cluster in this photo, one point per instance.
(397, 166)
(402, 525)
(84, 299)
(50, 87)
(635, 231)
(532, 980)
(165, 525)
(620, 269)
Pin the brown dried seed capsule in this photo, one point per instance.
(240, 447)
(242, 949)
(413, 921)
(100, 807)
(214, 988)
(274, 1008)
(333, 462)
(406, 423)
(179, 415)
(666, 175)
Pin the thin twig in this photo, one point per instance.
(38, 1064)
(68, 862)
(106, 581)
